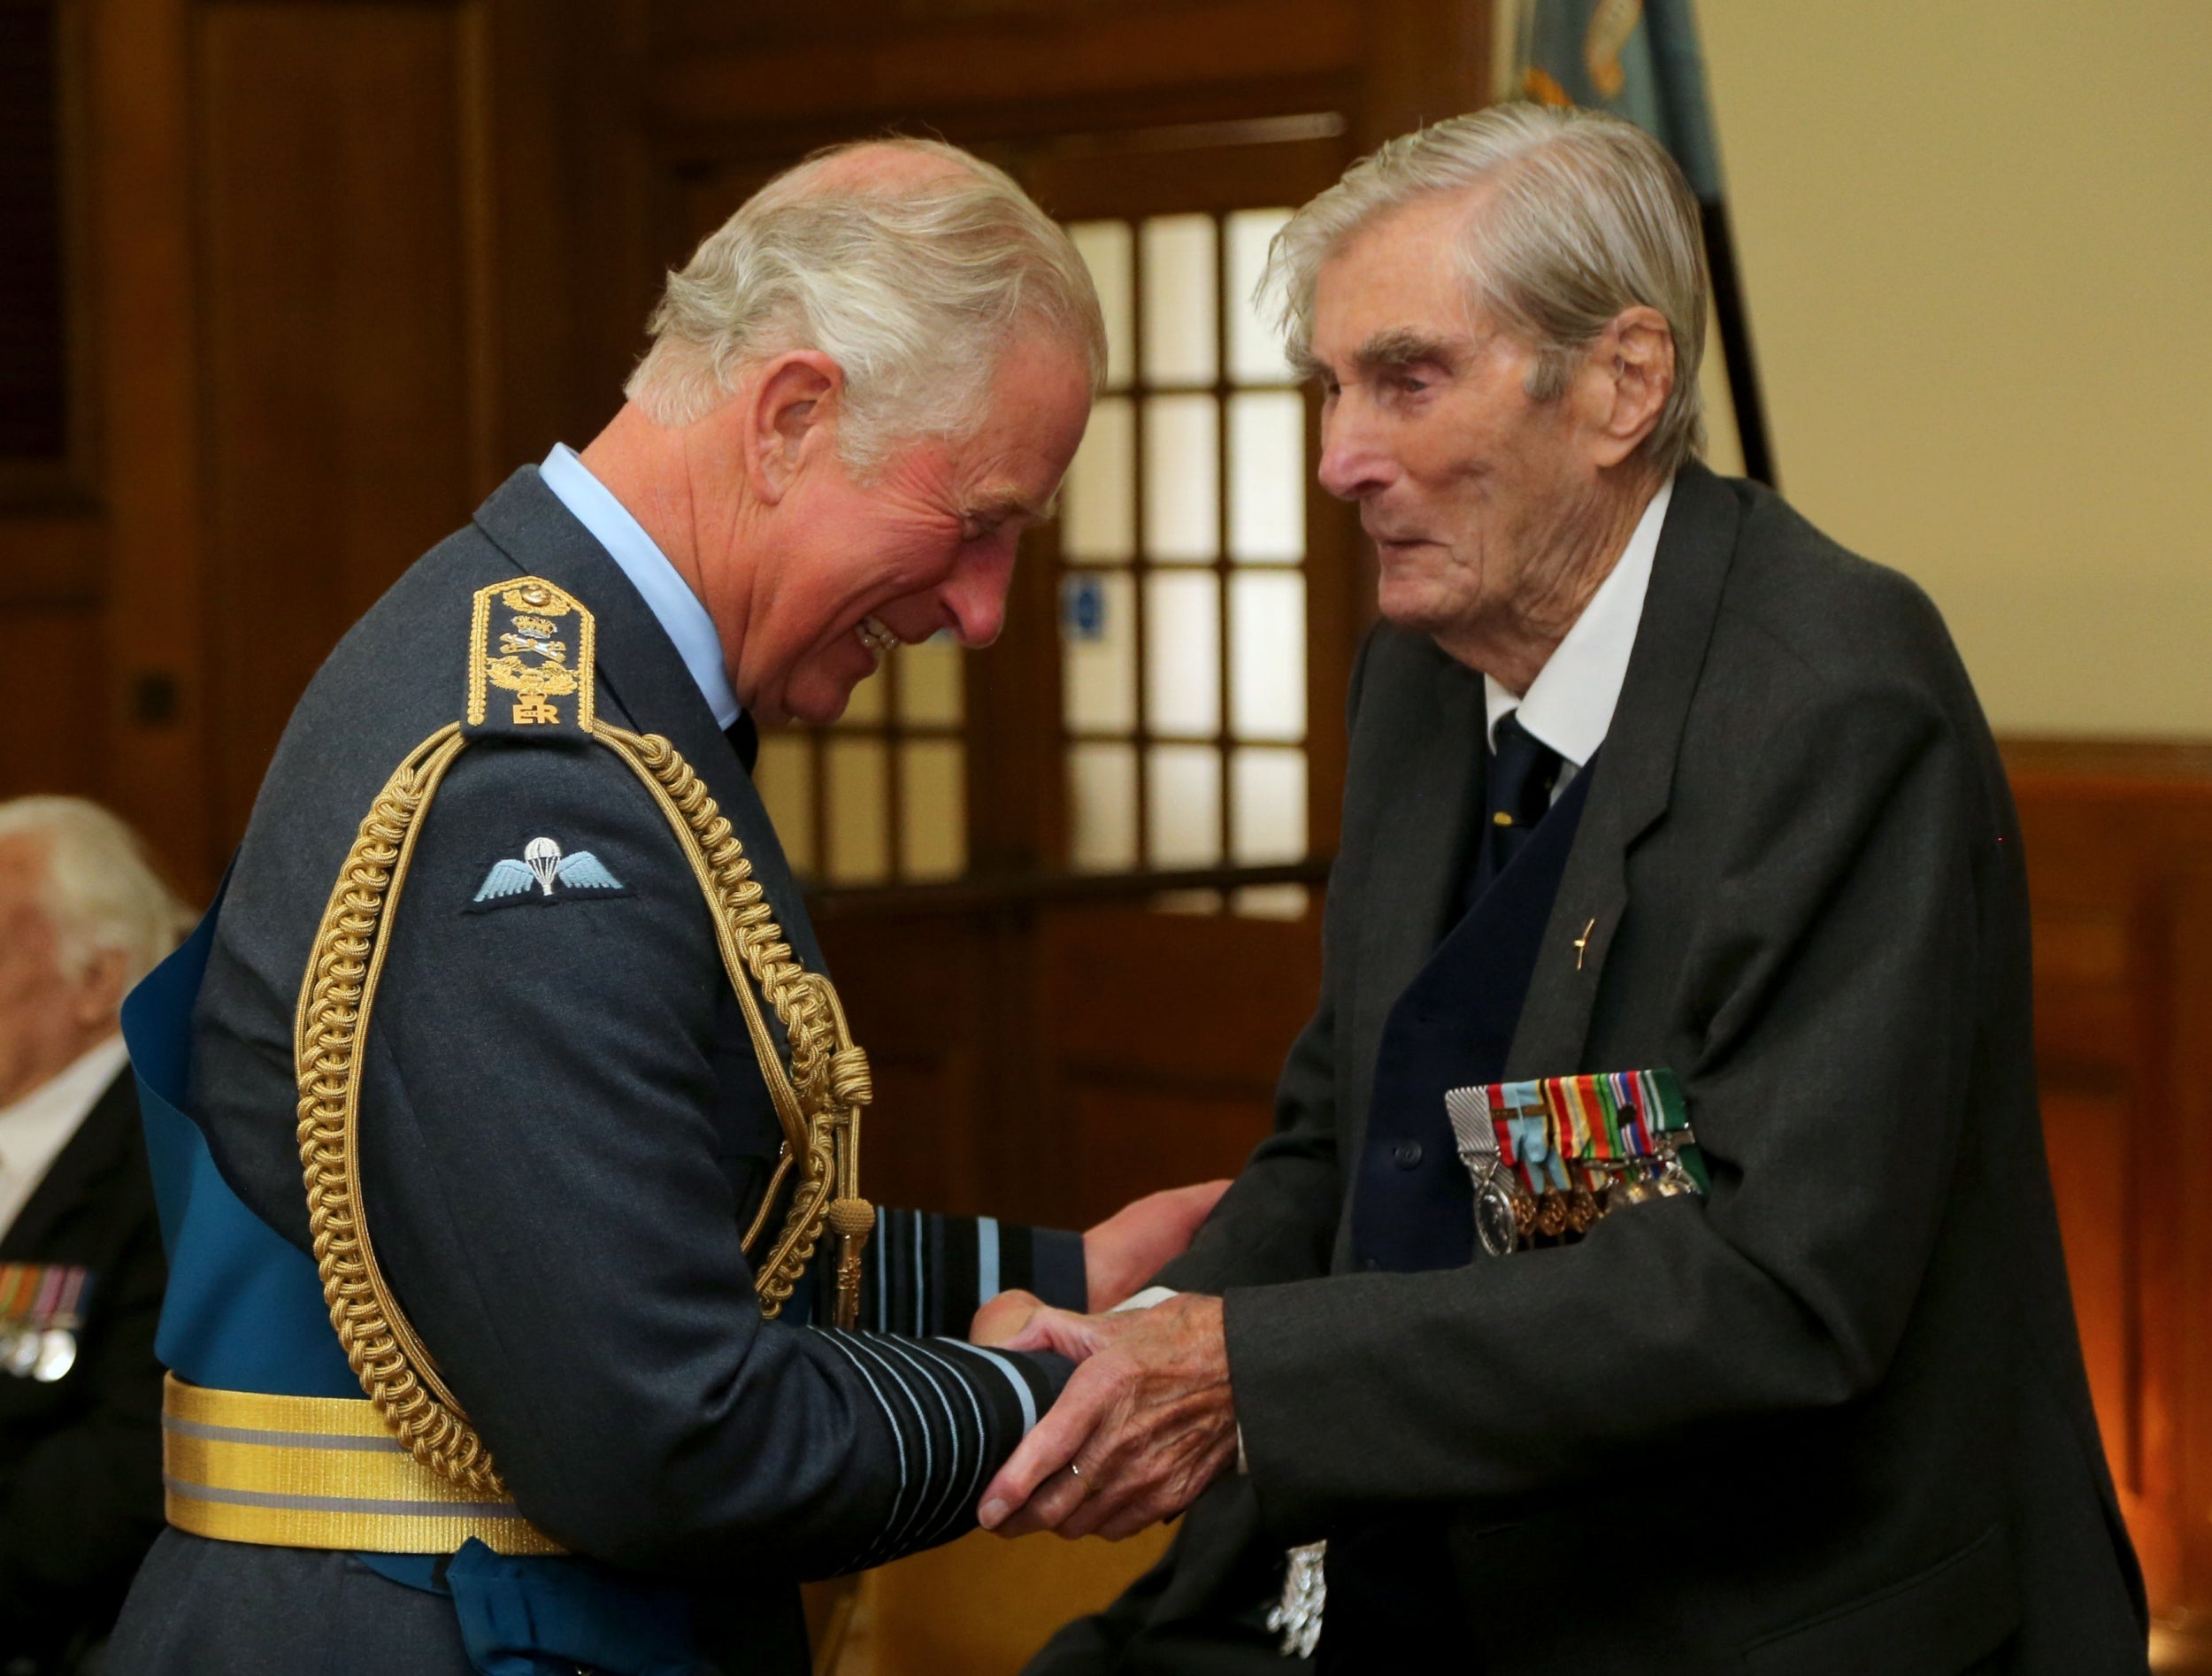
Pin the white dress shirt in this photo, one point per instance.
(36, 1129)
(1570, 705)
(682, 617)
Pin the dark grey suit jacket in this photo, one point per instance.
(563, 1134)
(80, 1457)
(1831, 1418)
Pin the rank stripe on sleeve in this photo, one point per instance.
(952, 1410)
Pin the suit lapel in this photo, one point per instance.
(1631, 776)
(91, 1154)
(1427, 787)
(640, 667)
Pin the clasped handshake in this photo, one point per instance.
(1146, 1422)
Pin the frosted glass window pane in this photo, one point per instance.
(1267, 476)
(1182, 653)
(1104, 247)
(929, 683)
(1102, 808)
(785, 778)
(867, 706)
(1184, 820)
(1269, 902)
(1267, 806)
(1178, 299)
(1182, 480)
(1098, 652)
(1098, 501)
(1255, 347)
(1267, 655)
(933, 824)
(859, 811)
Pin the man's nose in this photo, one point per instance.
(1354, 462)
(975, 596)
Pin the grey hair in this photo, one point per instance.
(1585, 215)
(914, 287)
(103, 895)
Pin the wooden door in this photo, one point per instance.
(1070, 885)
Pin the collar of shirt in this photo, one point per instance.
(36, 1129)
(1570, 705)
(682, 617)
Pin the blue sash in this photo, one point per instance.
(244, 1312)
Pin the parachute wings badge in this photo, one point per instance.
(544, 866)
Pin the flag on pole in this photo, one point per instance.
(1640, 59)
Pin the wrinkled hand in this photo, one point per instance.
(1134, 1243)
(1146, 1424)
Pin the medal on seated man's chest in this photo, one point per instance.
(41, 1310)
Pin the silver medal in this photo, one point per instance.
(1674, 1176)
(57, 1354)
(19, 1352)
(1496, 1225)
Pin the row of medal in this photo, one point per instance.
(1549, 1158)
(41, 1310)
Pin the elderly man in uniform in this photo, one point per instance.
(82, 917)
(527, 1313)
(1653, 1267)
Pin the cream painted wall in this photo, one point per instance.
(1977, 241)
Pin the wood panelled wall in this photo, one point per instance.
(332, 260)
(338, 265)
(2119, 848)
(345, 263)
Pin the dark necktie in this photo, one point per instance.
(1523, 770)
(744, 739)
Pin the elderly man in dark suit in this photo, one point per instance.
(1653, 1267)
(82, 917)
(523, 1313)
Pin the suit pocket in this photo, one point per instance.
(1935, 1623)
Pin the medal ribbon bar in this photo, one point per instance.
(1560, 1152)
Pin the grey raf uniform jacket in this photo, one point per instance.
(564, 1133)
(1831, 1420)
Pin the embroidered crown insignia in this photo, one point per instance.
(543, 864)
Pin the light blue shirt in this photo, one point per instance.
(682, 617)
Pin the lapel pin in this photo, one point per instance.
(1582, 943)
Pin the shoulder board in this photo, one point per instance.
(534, 643)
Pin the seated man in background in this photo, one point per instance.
(82, 917)
(1654, 1268)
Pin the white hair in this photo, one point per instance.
(102, 892)
(1584, 215)
(914, 286)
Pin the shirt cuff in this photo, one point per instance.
(1145, 1299)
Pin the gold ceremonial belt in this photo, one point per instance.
(318, 1472)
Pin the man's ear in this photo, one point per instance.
(790, 420)
(99, 989)
(1628, 373)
